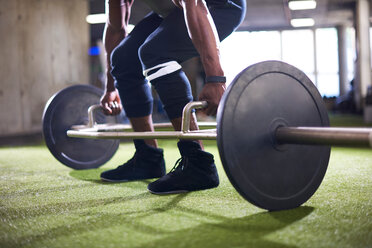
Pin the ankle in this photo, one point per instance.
(152, 143)
(141, 144)
(189, 147)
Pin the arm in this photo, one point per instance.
(116, 29)
(203, 34)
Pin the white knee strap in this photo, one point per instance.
(166, 68)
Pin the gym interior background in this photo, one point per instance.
(47, 45)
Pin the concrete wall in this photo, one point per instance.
(43, 49)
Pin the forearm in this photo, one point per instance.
(204, 35)
(116, 29)
(111, 40)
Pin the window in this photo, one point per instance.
(242, 49)
(314, 52)
(298, 50)
(327, 61)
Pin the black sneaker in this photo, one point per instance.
(195, 170)
(147, 162)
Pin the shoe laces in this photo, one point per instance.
(179, 165)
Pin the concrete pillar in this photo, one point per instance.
(44, 46)
(363, 70)
(342, 59)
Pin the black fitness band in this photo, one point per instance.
(215, 79)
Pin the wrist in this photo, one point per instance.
(110, 86)
(109, 90)
(215, 79)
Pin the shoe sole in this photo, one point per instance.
(180, 191)
(113, 181)
(169, 192)
(126, 180)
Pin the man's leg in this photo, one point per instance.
(161, 56)
(196, 169)
(144, 124)
(135, 94)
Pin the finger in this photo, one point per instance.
(106, 109)
(120, 108)
(113, 107)
(118, 105)
(116, 109)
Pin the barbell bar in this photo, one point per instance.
(330, 136)
(272, 133)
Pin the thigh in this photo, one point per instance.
(124, 58)
(134, 91)
(227, 17)
(171, 40)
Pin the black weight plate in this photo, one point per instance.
(261, 98)
(70, 107)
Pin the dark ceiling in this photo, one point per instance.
(261, 14)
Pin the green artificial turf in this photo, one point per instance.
(45, 204)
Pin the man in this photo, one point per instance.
(152, 52)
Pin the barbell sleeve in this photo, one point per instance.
(329, 136)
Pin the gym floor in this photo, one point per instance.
(45, 204)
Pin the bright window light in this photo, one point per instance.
(300, 5)
(302, 22)
(295, 47)
(96, 18)
(101, 18)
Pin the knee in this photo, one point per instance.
(125, 64)
(174, 92)
(156, 65)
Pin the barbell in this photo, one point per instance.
(272, 133)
